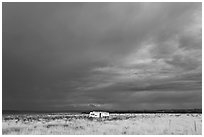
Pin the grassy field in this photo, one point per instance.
(136, 124)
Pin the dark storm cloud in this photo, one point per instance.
(92, 55)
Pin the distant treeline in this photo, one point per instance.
(110, 111)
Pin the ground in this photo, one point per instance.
(65, 123)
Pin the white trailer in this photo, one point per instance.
(98, 114)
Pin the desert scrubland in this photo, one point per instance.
(81, 124)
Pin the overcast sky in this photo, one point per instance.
(116, 56)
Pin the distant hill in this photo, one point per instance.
(111, 111)
(161, 111)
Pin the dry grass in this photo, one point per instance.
(117, 124)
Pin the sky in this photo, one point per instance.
(107, 56)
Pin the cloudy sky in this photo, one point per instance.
(116, 56)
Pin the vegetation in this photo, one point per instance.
(64, 123)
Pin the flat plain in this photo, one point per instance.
(116, 124)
